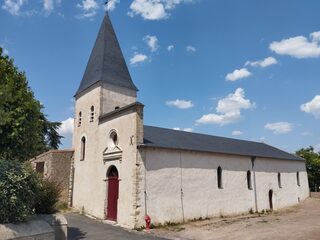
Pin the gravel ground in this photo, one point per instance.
(301, 222)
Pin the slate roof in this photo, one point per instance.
(106, 63)
(173, 139)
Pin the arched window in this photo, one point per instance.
(91, 113)
(279, 180)
(79, 119)
(249, 182)
(298, 178)
(219, 176)
(83, 148)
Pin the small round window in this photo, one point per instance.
(114, 137)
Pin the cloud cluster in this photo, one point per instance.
(279, 127)
(13, 6)
(137, 58)
(190, 48)
(312, 107)
(88, 7)
(262, 63)
(152, 42)
(228, 109)
(237, 133)
(170, 48)
(183, 129)
(153, 9)
(112, 5)
(181, 104)
(298, 47)
(238, 74)
(66, 127)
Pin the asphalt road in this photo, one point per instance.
(81, 227)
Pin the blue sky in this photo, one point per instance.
(245, 69)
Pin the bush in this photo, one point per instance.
(19, 185)
(47, 197)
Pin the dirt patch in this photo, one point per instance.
(299, 222)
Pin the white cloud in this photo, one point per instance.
(137, 58)
(184, 129)
(238, 74)
(13, 6)
(112, 5)
(237, 133)
(88, 8)
(312, 107)
(152, 42)
(170, 48)
(262, 63)
(190, 48)
(299, 46)
(182, 104)
(48, 5)
(66, 127)
(315, 36)
(279, 127)
(228, 109)
(153, 9)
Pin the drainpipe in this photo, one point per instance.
(255, 183)
(145, 183)
(181, 191)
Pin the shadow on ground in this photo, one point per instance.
(75, 233)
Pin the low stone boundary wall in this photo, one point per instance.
(41, 227)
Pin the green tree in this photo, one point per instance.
(24, 129)
(19, 187)
(313, 166)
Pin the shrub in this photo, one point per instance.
(19, 186)
(47, 197)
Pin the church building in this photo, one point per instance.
(124, 170)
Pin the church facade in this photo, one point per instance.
(124, 170)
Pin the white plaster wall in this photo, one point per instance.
(183, 185)
(90, 185)
(114, 96)
(84, 184)
(267, 179)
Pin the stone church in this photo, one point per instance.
(124, 169)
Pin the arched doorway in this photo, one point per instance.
(270, 199)
(113, 193)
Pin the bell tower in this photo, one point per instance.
(107, 70)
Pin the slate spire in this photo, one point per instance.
(106, 63)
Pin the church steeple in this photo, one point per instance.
(106, 63)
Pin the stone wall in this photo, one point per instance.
(57, 165)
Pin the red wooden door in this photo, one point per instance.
(113, 193)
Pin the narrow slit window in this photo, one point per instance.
(79, 119)
(298, 178)
(279, 180)
(92, 114)
(249, 182)
(83, 148)
(219, 176)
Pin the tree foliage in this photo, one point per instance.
(313, 166)
(24, 130)
(19, 186)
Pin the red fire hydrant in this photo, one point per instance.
(148, 222)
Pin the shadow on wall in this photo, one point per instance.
(75, 233)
